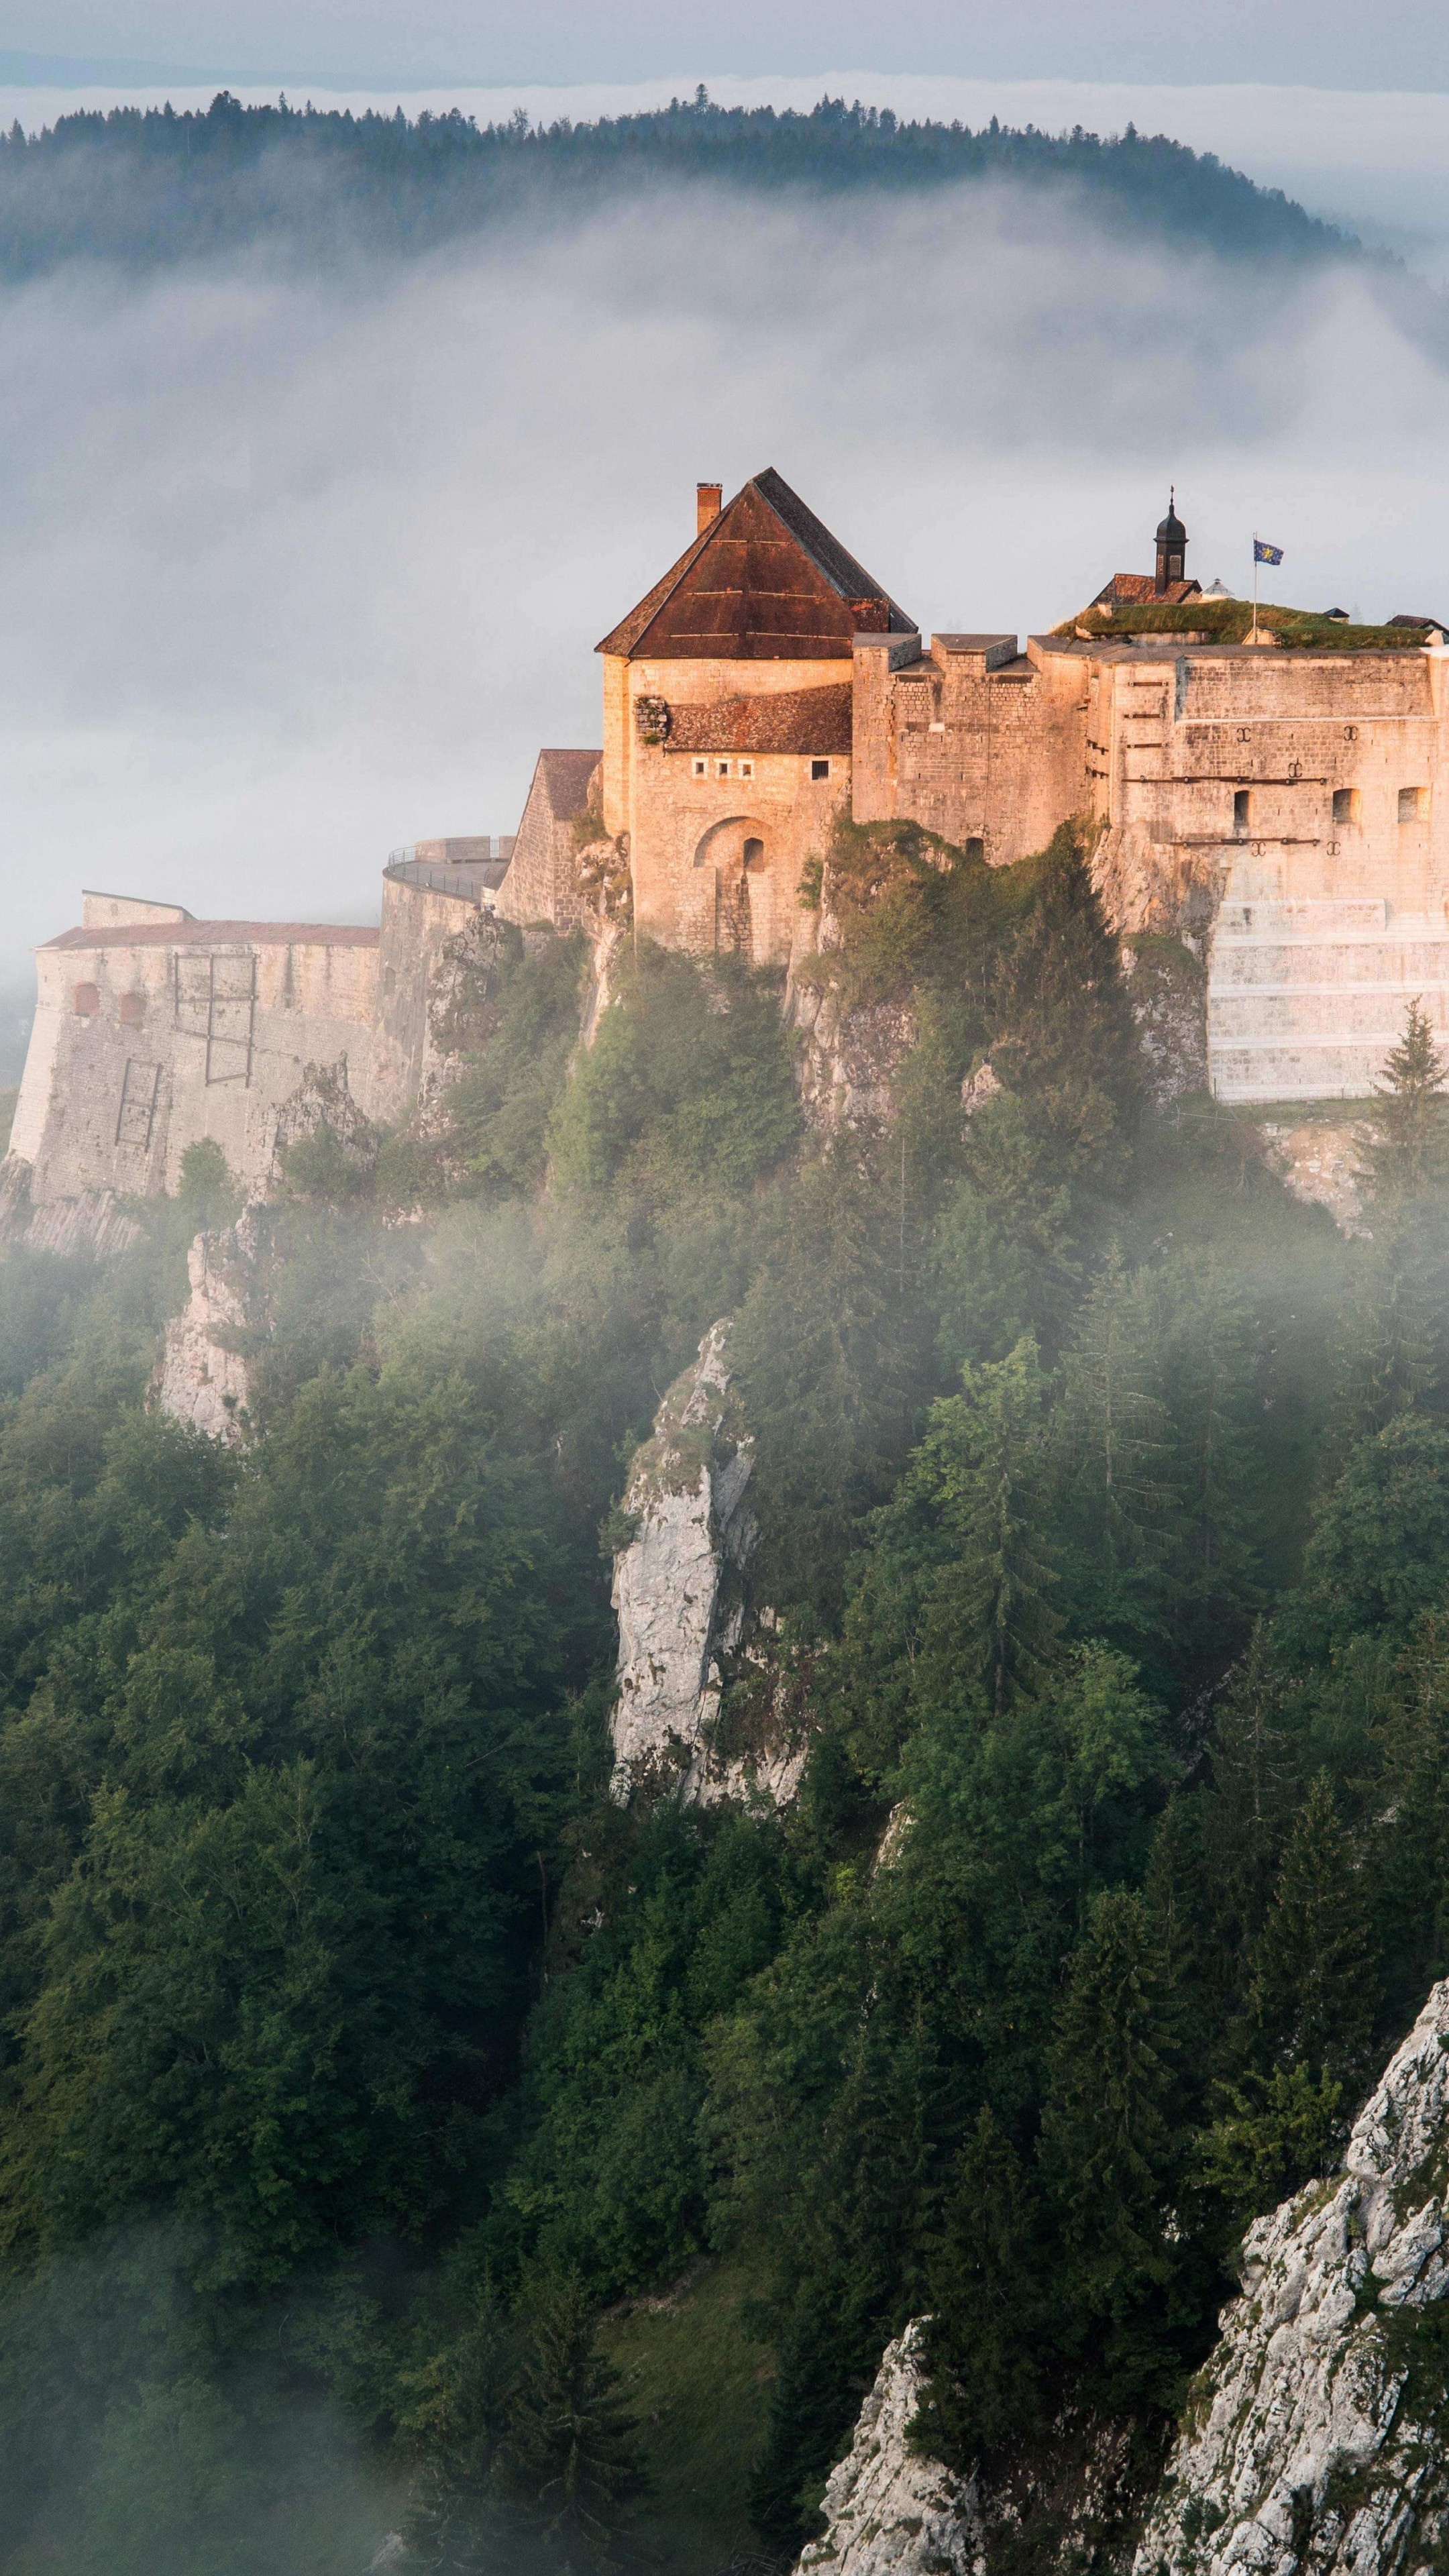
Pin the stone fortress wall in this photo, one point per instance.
(1282, 813)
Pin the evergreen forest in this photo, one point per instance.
(147, 188)
(398, 2137)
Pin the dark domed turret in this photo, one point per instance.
(1171, 546)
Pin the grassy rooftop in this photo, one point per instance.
(1230, 621)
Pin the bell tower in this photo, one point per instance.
(1171, 547)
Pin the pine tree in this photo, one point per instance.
(985, 2289)
(980, 1468)
(1385, 1344)
(1108, 2144)
(1109, 1438)
(1315, 1984)
(570, 2448)
(1214, 1408)
(1178, 1900)
(1248, 1803)
(1410, 1873)
(1404, 1139)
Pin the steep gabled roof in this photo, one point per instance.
(765, 581)
(1139, 590)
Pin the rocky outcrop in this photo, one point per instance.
(889, 2511)
(680, 1597)
(851, 1054)
(321, 1101)
(1311, 2438)
(1166, 984)
(1318, 1160)
(202, 1375)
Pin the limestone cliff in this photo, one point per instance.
(680, 1597)
(1312, 2438)
(1316, 2438)
(851, 1054)
(888, 2510)
(202, 1376)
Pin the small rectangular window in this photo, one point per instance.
(820, 769)
(85, 1001)
(723, 770)
(747, 769)
(975, 849)
(1240, 812)
(1413, 804)
(1346, 804)
(699, 769)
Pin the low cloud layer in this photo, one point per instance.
(299, 571)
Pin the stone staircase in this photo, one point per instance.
(1306, 998)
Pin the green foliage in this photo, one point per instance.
(499, 1110)
(1405, 1135)
(988, 2300)
(1275, 2132)
(687, 1083)
(979, 1472)
(1379, 1554)
(570, 2448)
(208, 1193)
(1315, 1972)
(326, 1965)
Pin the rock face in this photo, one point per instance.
(202, 1376)
(1300, 2447)
(890, 2512)
(680, 1597)
(850, 1057)
(1319, 1160)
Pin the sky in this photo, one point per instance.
(298, 572)
(1339, 43)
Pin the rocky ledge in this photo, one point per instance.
(889, 2511)
(681, 1601)
(1313, 2436)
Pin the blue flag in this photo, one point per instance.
(1264, 553)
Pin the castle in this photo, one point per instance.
(1277, 810)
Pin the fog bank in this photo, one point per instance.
(300, 571)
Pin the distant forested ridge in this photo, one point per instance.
(144, 187)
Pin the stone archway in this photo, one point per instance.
(734, 853)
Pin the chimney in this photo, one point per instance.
(708, 497)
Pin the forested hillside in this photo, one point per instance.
(397, 2135)
(146, 187)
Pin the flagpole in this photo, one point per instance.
(1255, 585)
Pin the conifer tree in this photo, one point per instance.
(1109, 1437)
(1385, 1357)
(1315, 1983)
(1108, 2142)
(1410, 1874)
(980, 1468)
(1248, 1802)
(1405, 1135)
(985, 2292)
(1213, 1407)
(1178, 1900)
(570, 2451)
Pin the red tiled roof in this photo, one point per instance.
(765, 581)
(220, 934)
(788, 720)
(1139, 590)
